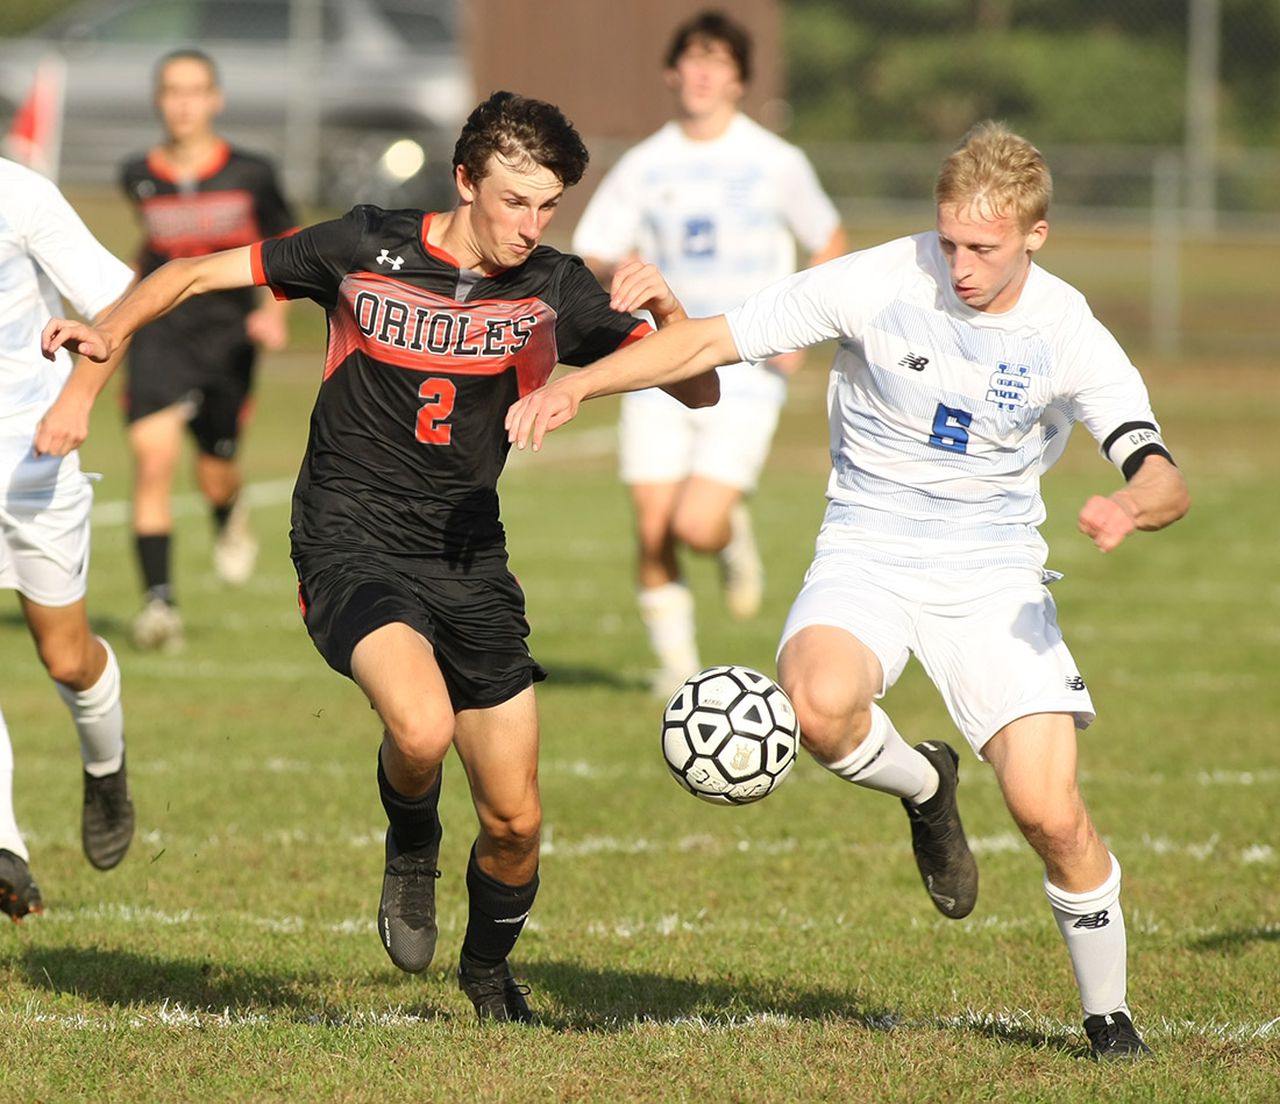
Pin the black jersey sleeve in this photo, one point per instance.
(274, 214)
(312, 263)
(587, 328)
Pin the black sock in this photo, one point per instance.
(496, 915)
(414, 821)
(222, 512)
(153, 559)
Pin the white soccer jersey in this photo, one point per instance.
(940, 414)
(719, 218)
(45, 249)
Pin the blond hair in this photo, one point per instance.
(998, 172)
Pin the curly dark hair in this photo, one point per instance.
(523, 131)
(713, 26)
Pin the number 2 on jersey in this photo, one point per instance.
(951, 429)
(438, 397)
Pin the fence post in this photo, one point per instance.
(1203, 49)
(1166, 255)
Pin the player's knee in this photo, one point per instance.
(701, 532)
(828, 712)
(422, 738)
(1055, 830)
(65, 662)
(513, 831)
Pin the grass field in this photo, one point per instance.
(678, 951)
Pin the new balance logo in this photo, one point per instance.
(385, 258)
(1093, 921)
(1075, 682)
(914, 362)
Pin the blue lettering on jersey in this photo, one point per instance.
(951, 429)
(699, 237)
(1009, 385)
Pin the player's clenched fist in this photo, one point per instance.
(76, 337)
(1105, 522)
(539, 412)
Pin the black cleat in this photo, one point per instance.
(19, 894)
(1113, 1039)
(494, 992)
(407, 911)
(106, 824)
(937, 837)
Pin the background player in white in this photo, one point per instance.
(44, 508)
(961, 364)
(716, 201)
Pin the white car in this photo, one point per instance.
(327, 110)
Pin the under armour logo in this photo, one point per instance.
(395, 262)
(914, 362)
(1093, 921)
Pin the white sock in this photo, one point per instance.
(884, 761)
(99, 719)
(667, 613)
(10, 837)
(1092, 924)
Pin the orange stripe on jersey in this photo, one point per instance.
(191, 225)
(402, 325)
(643, 329)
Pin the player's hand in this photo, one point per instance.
(788, 363)
(638, 285)
(64, 426)
(539, 412)
(76, 337)
(1105, 522)
(268, 328)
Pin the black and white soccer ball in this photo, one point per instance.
(729, 735)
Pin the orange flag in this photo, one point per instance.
(35, 135)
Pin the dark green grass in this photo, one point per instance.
(678, 951)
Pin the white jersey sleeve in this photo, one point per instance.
(807, 308)
(610, 227)
(45, 251)
(809, 212)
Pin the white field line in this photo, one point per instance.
(178, 1017)
(579, 445)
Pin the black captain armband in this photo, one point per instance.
(1131, 444)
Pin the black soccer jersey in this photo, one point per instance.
(424, 358)
(234, 201)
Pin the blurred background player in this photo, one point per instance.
(45, 501)
(715, 201)
(195, 194)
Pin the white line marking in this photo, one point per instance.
(580, 445)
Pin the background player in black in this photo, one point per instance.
(194, 195)
(436, 323)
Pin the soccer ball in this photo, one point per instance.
(729, 735)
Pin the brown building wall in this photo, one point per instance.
(601, 62)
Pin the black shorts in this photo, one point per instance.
(475, 624)
(208, 367)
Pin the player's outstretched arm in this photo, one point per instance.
(158, 294)
(1156, 496)
(65, 425)
(677, 352)
(638, 285)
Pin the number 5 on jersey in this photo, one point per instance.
(951, 429)
(438, 396)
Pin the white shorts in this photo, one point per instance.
(989, 640)
(663, 441)
(44, 527)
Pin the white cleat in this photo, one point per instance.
(157, 627)
(235, 552)
(664, 681)
(741, 570)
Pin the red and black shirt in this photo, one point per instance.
(424, 358)
(232, 201)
